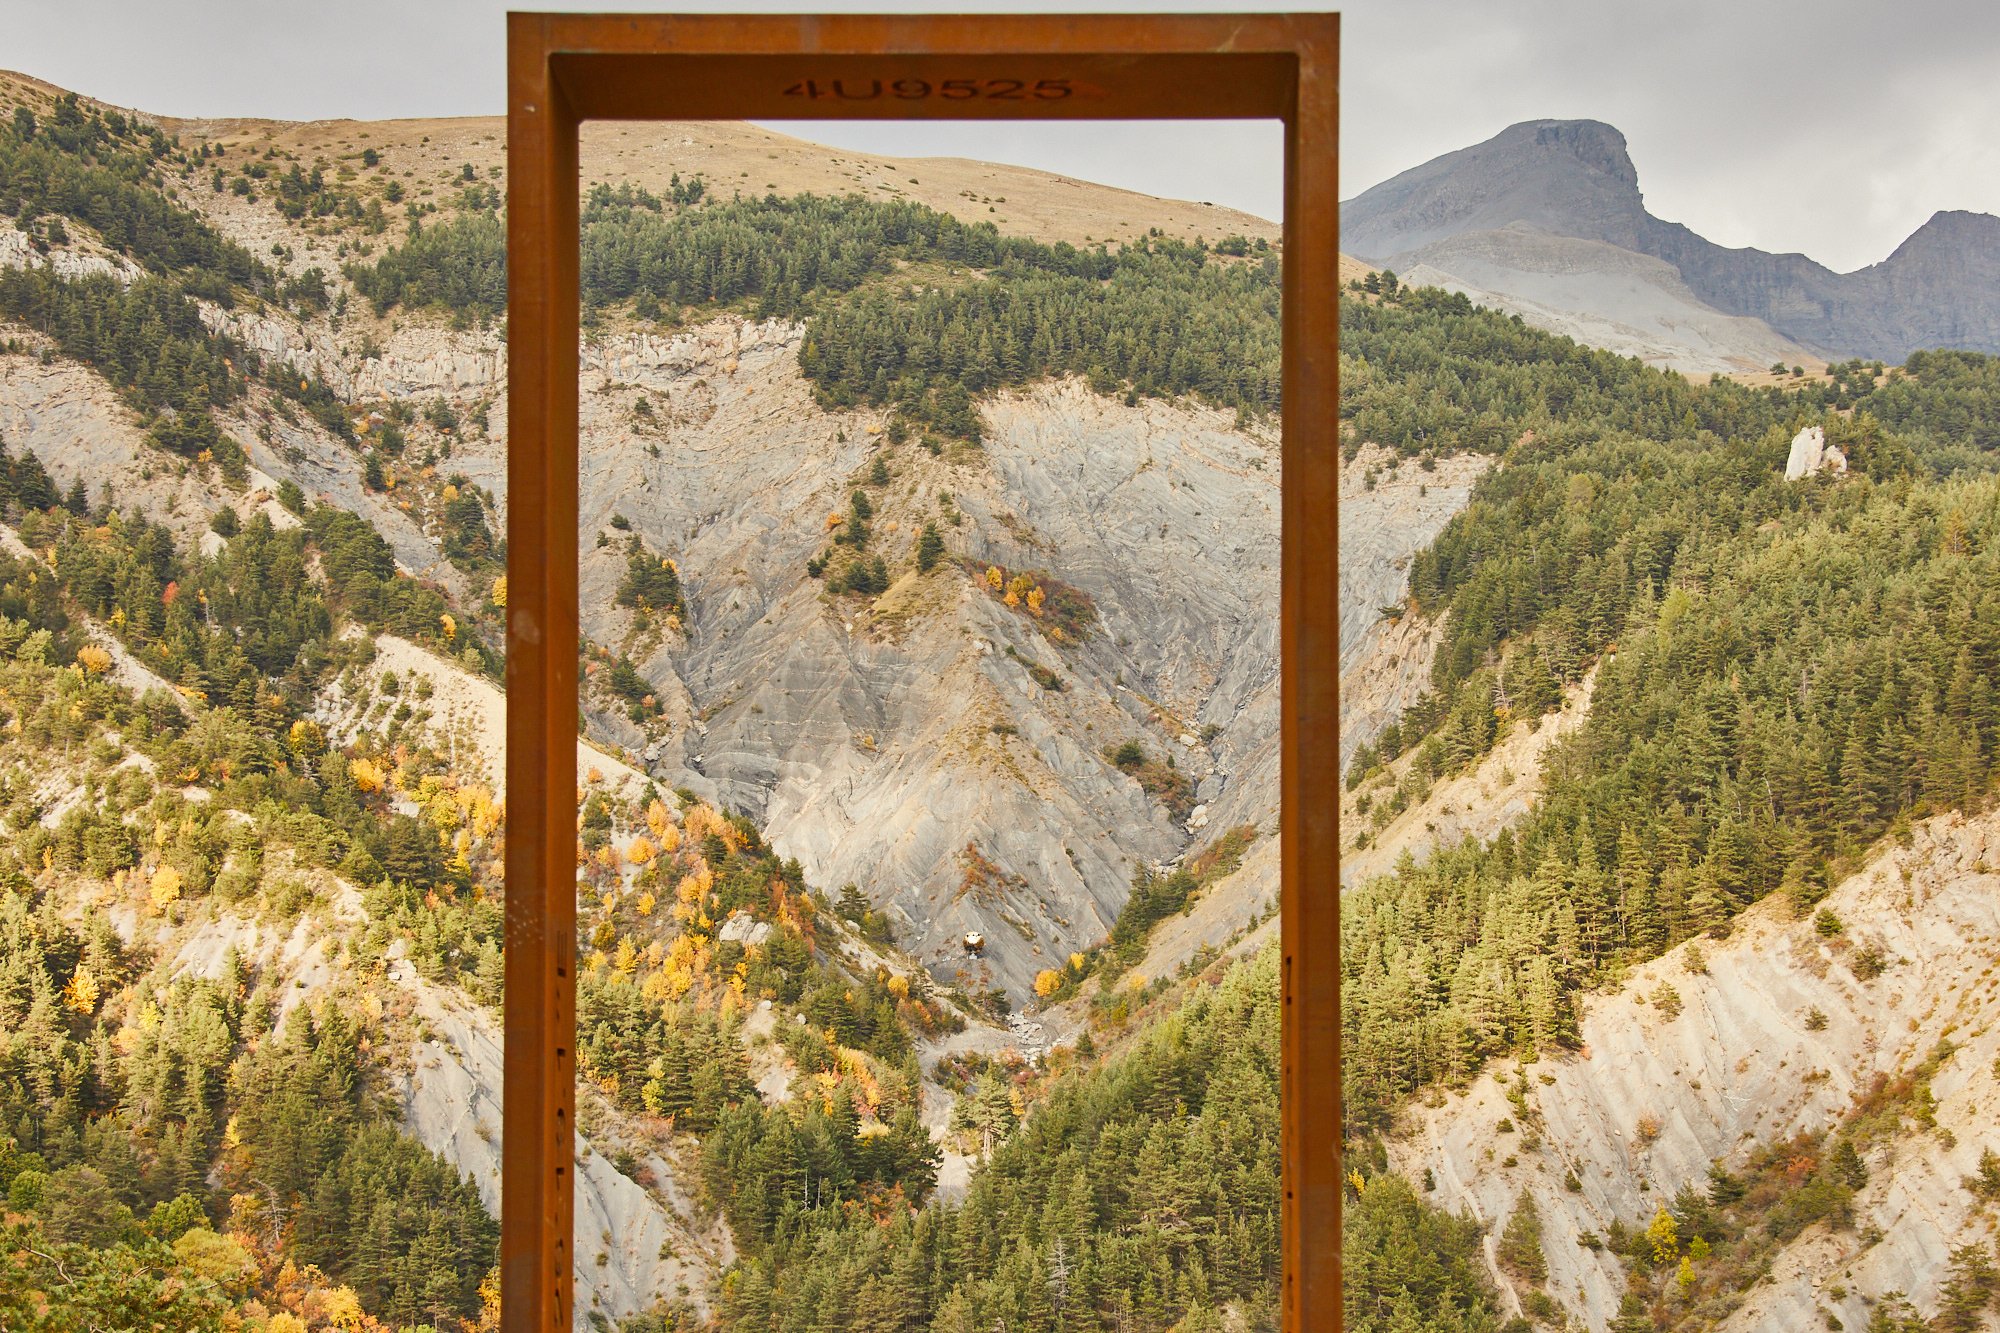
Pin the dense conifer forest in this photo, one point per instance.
(1141, 1192)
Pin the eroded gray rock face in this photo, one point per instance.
(905, 743)
(1390, 509)
(634, 1247)
(82, 431)
(915, 744)
(79, 259)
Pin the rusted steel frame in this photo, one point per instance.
(538, 1102)
(566, 68)
(1309, 695)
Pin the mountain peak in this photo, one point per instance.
(1548, 175)
(1594, 144)
(1472, 216)
(1952, 229)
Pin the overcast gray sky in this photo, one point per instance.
(1833, 128)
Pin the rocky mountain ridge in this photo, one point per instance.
(1492, 216)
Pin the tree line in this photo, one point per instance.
(905, 306)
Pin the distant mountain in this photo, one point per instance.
(1537, 217)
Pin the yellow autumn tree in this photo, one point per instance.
(500, 592)
(367, 774)
(642, 851)
(699, 821)
(306, 738)
(678, 971)
(1035, 599)
(1047, 982)
(645, 905)
(695, 884)
(342, 1307)
(93, 659)
(489, 1302)
(80, 995)
(486, 813)
(448, 625)
(995, 578)
(442, 809)
(165, 889)
(658, 817)
(1664, 1236)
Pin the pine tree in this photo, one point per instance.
(1638, 921)
(930, 546)
(852, 905)
(1521, 1241)
(1582, 889)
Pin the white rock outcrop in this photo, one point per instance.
(1812, 454)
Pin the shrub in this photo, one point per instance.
(1985, 1182)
